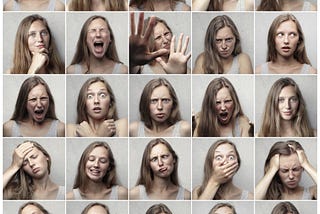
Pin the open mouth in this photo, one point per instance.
(39, 112)
(163, 170)
(94, 172)
(98, 44)
(97, 109)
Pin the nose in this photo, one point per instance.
(39, 37)
(31, 163)
(96, 99)
(223, 44)
(96, 163)
(38, 103)
(291, 175)
(287, 104)
(160, 162)
(223, 106)
(286, 39)
(159, 105)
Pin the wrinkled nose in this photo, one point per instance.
(291, 175)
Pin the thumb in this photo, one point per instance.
(157, 53)
(161, 62)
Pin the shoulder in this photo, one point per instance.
(133, 128)
(61, 129)
(313, 7)
(8, 5)
(59, 6)
(245, 126)
(258, 69)
(70, 195)
(185, 128)
(313, 191)
(187, 194)
(195, 192)
(122, 126)
(184, 6)
(198, 69)
(7, 128)
(123, 69)
(71, 69)
(312, 70)
(249, 5)
(71, 130)
(133, 8)
(244, 64)
(122, 193)
(250, 196)
(134, 193)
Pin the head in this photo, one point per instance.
(96, 100)
(285, 207)
(220, 106)
(96, 164)
(96, 40)
(148, 4)
(32, 207)
(223, 208)
(86, 5)
(32, 36)
(289, 174)
(277, 39)
(34, 101)
(285, 102)
(270, 5)
(168, 108)
(158, 209)
(159, 159)
(96, 208)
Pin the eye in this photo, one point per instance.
(218, 158)
(166, 100)
(154, 101)
(44, 33)
(292, 35)
(165, 157)
(32, 34)
(280, 35)
(32, 100)
(228, 101)
(293, 99)
(281, 99)
(218, 41)
(44, 98)
(102, 95)
(91, 158)
(154, 159)
(103, 160)
(229, 40)
(297, 169)
(284, 170)
(89, 96)
(218, 103)
(167, 34)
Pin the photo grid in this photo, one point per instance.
(152, 107)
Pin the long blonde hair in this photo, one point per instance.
(148, 4)
(85, 5)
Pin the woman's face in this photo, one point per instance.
(224, 106)
(287, 38)
(97, 210)
(224, 154)
(290, 171)
(98, 38)
(97, 101)
(35, 163)
(223, 210)
(161, 161)
(38, 103)
(97, 164)
(288, 103)
(38, 37)
(160, 104)
(162, 36)
(31, 209)
(225, 42)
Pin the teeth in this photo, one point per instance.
(38, 111)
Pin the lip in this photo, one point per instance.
(97, 109)
(160, 115)
(162, 170)
(35, 170)
(94, 172)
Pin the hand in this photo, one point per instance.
(19, 154)
(224, 172)
(138, 43)
(84, 130)
(107, 129)
(275, 162)
(302, 157)
(177, 62)
(39, 59)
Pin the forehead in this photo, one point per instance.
(226, 147)
(223, 92)
(97, 23)
(99, 151)
(224, 32)
(38, 89)
(287, 25)
(31, 209)
(287, 91)
(159, 148)
(38, 24)
(97, 85)
(97, 210)
(223, 210)
(289, 160)
(35, 150)
(161, 90)
(160, 28)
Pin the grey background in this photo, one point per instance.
(257, 2)
(307, 85)
(265, 207)
(308, 21)
(115, 207)
(181, 85)
(176, 207)
(240, 206)
(53, 207)
(76, 146)
(181, 146)
(244, 178)
(11, 87)
(11, 21)
(118, 83)
(243, 85)
(118, 22)
(262, 148)
(243, 21)
(55, 148)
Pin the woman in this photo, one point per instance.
(97, 112)
(285, 208)
(35, 49)
(154, 5)
(27, 178)
(223, 208)
(221, 114)
(96, 51)
(34, 114)
(152, 50)
(282, 174)
(158, 178)
(221, 164)
(96, 208)
(286, 5)
(286, 48)
(32, 207)
(220, 5)
(33, 5)
(159, 209)
(96, 177)
(222, 54)
(159, 112)
(285, 113)
(100, 5)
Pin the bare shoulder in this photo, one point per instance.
(245, 126)
(258, 69)
(313, 7)
(122, 193)
(187, 194)
(133, 129)
(312, 70)
(124, 69)
(70, 196)
(195, 191)
(313, 191)
(122, 127)
(185, 128)
(7, 128)
(186, 7)
(249, 5)
(59, 6)
(61, 129)
(250, 196)
(71, 130)
(198, 67)
(245, 64)
(71, 69)
(134, 193)
(8, 5)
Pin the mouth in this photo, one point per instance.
(95, 172)
(39, 114)
(97, 109)
(286, 49)
(160, 115)
(35, 170)
(162, 170)
(224, 116)
(98, 47)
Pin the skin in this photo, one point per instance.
(38, 104)
(225, 42)
(162, 36)
(202, 5)
(162, 5)
(34, 5)
(161, 161)
(223, 210)
(290, 171)
(97, 210)
(35, 164)
(288, 103)
(160, 105)
(224, 106)
(31, 209)
(97, 164)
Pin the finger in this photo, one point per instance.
(179, 46)
(140, 23)
(133, 24)
(151, 56)
(188, 56)
(161, 62)
(185, 46)
(149, 28)
(172, 44)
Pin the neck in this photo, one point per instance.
(285, 61)
(95, 187)
(159, 127)
(291, 191)
(95, 124)
(99, 65)
(161, 184)
(286, 127)
(42, 183)
(35, 123)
